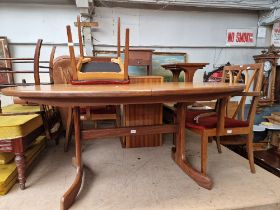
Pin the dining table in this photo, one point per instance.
(76, 96)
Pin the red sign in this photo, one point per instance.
(241, 37)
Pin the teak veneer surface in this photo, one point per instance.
(128, 90)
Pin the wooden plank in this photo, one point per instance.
(87, 24)
(125, 131)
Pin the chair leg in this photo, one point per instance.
(250, 152)
(20, 163)
(204, 148)
(218, 142)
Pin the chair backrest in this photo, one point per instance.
(37, 62)
(87, 67)
(251, 75)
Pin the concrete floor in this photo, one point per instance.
(144, 178)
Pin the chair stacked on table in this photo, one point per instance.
(88, 70)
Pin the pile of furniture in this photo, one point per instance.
(24, 126)
(99, 88)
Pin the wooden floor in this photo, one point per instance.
(144, 179)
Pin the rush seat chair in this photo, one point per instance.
(236, 129)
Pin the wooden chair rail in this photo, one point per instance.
(130, 130)
(24, 71)
(254, 93)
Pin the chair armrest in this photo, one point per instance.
(248, 94)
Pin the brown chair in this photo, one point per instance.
(98, 70)
(236, 129)
(94, 71)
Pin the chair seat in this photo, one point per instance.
(20, 108)
(100, 110)
(16, 126)
(210, 121)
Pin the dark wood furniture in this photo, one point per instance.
(277, 85)
(5, 64)
(269, 58)
(76, 96)
(230, 129)
(269, 160)
(188, 68)
(141, 57)
(143, 114)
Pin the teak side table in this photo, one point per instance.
(188, 68)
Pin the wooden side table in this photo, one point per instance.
(141, 57)
(188, 68)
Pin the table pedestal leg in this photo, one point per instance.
(189, 75)
(69, 197)
(176, 75)
(178, 153)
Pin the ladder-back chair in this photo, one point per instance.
(236, 129)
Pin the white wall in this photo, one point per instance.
(201, 34)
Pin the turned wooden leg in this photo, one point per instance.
(20, 163)
(69, 197)
(204, 148)
(250, 152)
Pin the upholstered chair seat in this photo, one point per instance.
(20, 108)
(16, 126)
(205, 122)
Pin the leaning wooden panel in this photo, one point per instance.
(143, 114)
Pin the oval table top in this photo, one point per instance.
(117, 94)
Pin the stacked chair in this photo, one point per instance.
(236, 129)
(88, 70)
(22, 127)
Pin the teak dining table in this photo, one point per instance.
(88, 95)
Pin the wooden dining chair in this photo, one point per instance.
(235, 129)
(98, 70)
(88, 70)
